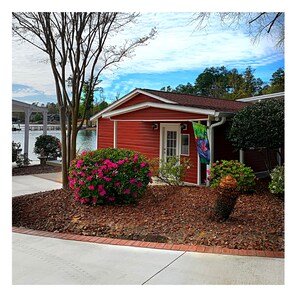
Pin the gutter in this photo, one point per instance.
(211, 137)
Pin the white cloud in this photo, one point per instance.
(23, 91)
(177, 47)
(30, 67)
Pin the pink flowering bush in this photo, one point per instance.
(109, 176)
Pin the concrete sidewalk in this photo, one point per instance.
(45, 260)
(29, 184)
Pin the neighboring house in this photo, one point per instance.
(159, 124)
(279, 95)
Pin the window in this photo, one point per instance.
(185, 144)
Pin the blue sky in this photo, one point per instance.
(177, 55)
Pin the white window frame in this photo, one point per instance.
(187, 134)
(164, 126)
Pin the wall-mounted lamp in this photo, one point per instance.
(155, 126)
(183, 127)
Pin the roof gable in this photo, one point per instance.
(178, 99)
(128, 97)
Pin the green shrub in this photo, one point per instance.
(277, 184)
(109, 176)
(48, 145)
(243, 175)
(259, 125)
(172, 172)
(22, 160)
(16, 148)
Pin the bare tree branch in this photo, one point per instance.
(76, 45)
(270, 23)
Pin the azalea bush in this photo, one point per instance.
(277, 184)
(243, 174)
(109, 176)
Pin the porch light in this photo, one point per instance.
(183, 127)
(155, 126)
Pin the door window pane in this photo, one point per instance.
(171, 143)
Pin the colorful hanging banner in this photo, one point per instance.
(202, 142)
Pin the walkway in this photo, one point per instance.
(47, 260)
(44, 260)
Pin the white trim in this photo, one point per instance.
(209, 136)
(262, 97)
(115, 134)
(162, 120)
(97, 134)
(241, 156)
(162, 137)
(19, 106)
(27, 126)
(191, 184)
(198, 164)
(97, 115)
(188, 134)
(127, 98)
(156, 97)
(158, 105)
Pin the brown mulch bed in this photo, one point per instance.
(35, 169)
(180, 216)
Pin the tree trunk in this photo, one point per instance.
(73, 143)
(69, 133)
(64, 148)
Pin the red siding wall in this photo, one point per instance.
(223, 149)
(105, 133)
(151, 113)
(256, 159)
(140, 137)
(140, 98)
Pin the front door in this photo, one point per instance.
(170, 136)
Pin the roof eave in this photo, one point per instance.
(262, 97)
(127, 98)
(19, 106)
(173, 107)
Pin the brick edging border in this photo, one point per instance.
(153, 245)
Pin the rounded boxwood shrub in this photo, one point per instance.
(243, 174)
(49, 145)
(109, 176)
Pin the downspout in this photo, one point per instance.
(211, 137)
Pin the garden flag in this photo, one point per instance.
(202, 142)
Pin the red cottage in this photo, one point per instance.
(159, 124)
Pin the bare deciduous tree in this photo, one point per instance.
(79, 47)
(258, 24)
